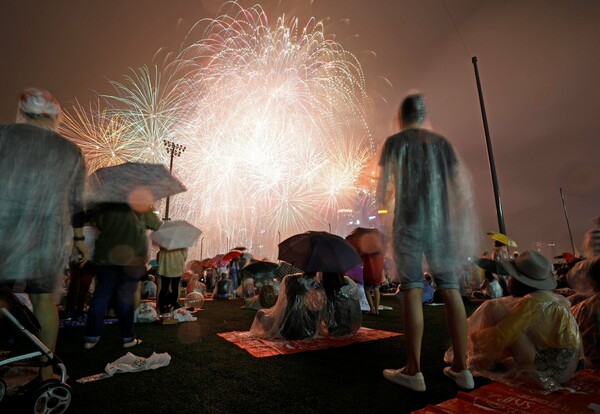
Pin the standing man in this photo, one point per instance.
(42, 179)
(433, 217)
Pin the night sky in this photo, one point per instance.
(538, 62)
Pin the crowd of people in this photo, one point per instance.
(523, 332)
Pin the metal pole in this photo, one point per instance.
(499, 211)
(174, 150)
(567, 218)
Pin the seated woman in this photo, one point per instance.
(222, 288)
(343, 314)
(587, 314)
(298, 312)
(490, 286)
(529, 339)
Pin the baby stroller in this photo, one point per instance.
(20, 348)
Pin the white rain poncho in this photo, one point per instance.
(429, 191)
(42, 178)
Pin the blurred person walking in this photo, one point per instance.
(42, 178)
(428, 190)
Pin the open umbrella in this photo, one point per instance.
(502, 238)
(285, 269)
(260, 266)
(232, 254)
(319, 251)
(366, 240)
(176, 234)
(195, 266)
(121, 183)
(491, 265)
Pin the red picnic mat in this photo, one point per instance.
(261, 348)
(499, 398)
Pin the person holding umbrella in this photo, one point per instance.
(42, 178)
(424, 184)
(120, 257)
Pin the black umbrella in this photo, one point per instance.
(319, 251)
(260, 266)
(285, 269)
(491, 265)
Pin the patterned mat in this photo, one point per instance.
(499, 398)
(261, 348)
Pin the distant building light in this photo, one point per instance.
(344, 210)
(372, 218)
(382, 211)
(358, 222)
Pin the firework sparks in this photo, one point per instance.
(273, 121)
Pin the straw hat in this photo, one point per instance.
(532, 269)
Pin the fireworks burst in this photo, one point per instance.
(273, 120)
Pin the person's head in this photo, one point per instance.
(593, 273)
(223, 276)
(529, 272)
(332, 282)
(38, 107)
(412, 111)
(267, 296)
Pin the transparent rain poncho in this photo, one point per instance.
(587, 314)
(424, 184)
(42, 178)
(505, 333)
(343, 315)
(298, 313)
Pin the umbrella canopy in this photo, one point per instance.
(491, 265)
(319, 251)
(132, 180)
(177, 234)
(260, 266)
(195, 266)
(366, 241)
(232, 254)
(502, 238)
(285, 269)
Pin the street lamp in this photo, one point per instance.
(175, 150)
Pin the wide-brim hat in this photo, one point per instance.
(532, 269)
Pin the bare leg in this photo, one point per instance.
(457, 325)
(370, 300)
(46, 313)
(413, 329)
(377, 299)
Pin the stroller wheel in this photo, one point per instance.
(2, 390)
(51, 397)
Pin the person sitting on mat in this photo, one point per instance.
(343, 313)
(298, 312)
(529, 339)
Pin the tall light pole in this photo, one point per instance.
(499, 212)
(175, 150)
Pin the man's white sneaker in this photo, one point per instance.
(464, 378)
(414, 382)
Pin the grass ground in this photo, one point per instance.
(210, 375)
